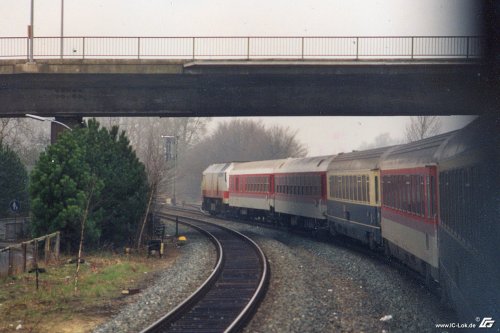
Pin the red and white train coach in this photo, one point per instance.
(251, 190)
(410, 204)
(300, 191)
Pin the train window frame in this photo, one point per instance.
(406, 193)
(342, 187)
(414, 188)
(367, 188)
(396, 192)
(363, 188)
(428, 195)
(433, 197)
(339, 187)
(355, 187)
(401, 193)
(361, 192)
(351, 189)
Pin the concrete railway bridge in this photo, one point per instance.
(241, 76)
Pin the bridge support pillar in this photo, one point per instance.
(56, 129)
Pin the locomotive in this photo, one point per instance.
(433, 204)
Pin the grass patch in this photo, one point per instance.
(101, 279)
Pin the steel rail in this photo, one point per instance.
(172, 321)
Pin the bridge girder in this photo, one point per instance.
(236, 89)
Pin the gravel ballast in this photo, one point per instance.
(314, 287)
(322, 287)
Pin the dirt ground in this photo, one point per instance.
(99, 297)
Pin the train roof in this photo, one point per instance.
(217, 168)
(359, 160)
(478, 142)
(257, 167)
(305, 164)
(415, 154)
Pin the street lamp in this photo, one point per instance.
(31, 30)
(62, 28)
(47, 119)
(171, 154)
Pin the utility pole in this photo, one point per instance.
(31, 31)
(171, 154)
(62, 28)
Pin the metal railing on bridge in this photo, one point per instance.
(462, 47)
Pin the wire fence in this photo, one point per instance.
(24, 256)
(242, 47)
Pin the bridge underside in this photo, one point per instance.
(242, 89)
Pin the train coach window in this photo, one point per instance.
(356, 187)
(368, 188)
(428, 195)
(401, 193)
(407, 183)
(413, 195)
(330, 183)
(417, 194)
(386, 186)
(334, 186)
(363, 188)
(390, 192)
(360, 194)
(338, 183)
(433, 197)
(349, 187)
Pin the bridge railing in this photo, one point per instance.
(243, 47)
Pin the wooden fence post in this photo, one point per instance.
(58, 242)
(25, 255)
(10, 272)
(46, 249)
(35, 257)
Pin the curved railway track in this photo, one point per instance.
(230, 295)
(345, 242)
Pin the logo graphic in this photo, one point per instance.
(487, 322)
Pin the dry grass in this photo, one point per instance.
(56, 308)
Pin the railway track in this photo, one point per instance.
(230, 295)
(347, 243)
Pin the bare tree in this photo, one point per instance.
(381, 140)
(239, 140)
(283, 141)
(155, 165)
(26, 137)
(421, 127)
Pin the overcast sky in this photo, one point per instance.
(242, 18)
(323, 135)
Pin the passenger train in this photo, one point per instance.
(434, 204)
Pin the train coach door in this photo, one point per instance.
(270, 191)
